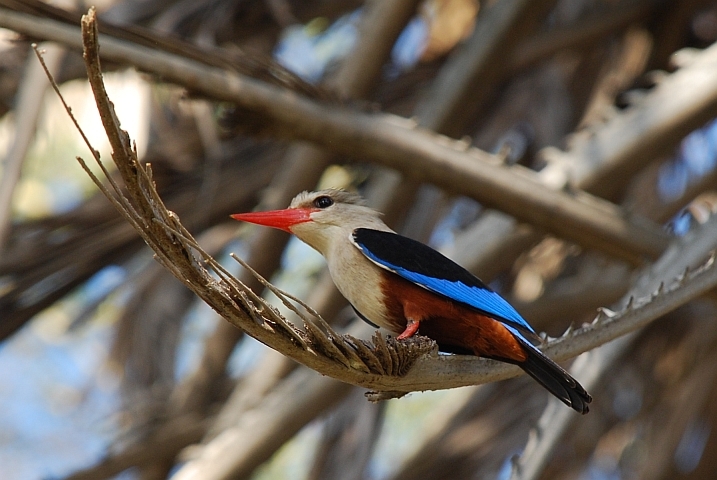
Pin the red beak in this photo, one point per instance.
(281, 219)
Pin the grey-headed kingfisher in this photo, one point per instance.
(404, 286)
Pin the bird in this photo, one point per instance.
(407, 287)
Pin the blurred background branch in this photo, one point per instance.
(425, 107)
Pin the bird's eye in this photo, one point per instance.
(323, 202)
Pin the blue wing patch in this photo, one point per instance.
(433, 271)
(487, 301)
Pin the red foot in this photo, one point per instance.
(411, 329)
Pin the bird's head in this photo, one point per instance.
(318, 218)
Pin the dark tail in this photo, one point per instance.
(556, 380)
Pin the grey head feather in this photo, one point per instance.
(305, 199)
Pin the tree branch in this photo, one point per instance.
(397, 143)
(166, 441)
(384, 364)
(302, 168)
(592, 366)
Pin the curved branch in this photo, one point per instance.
(591, 367)
(384, 364)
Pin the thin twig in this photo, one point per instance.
(119, 201)
(29, 100)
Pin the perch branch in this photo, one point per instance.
(384, 364)
(591, 367)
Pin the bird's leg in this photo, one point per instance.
(411, 329)
(413, 315)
